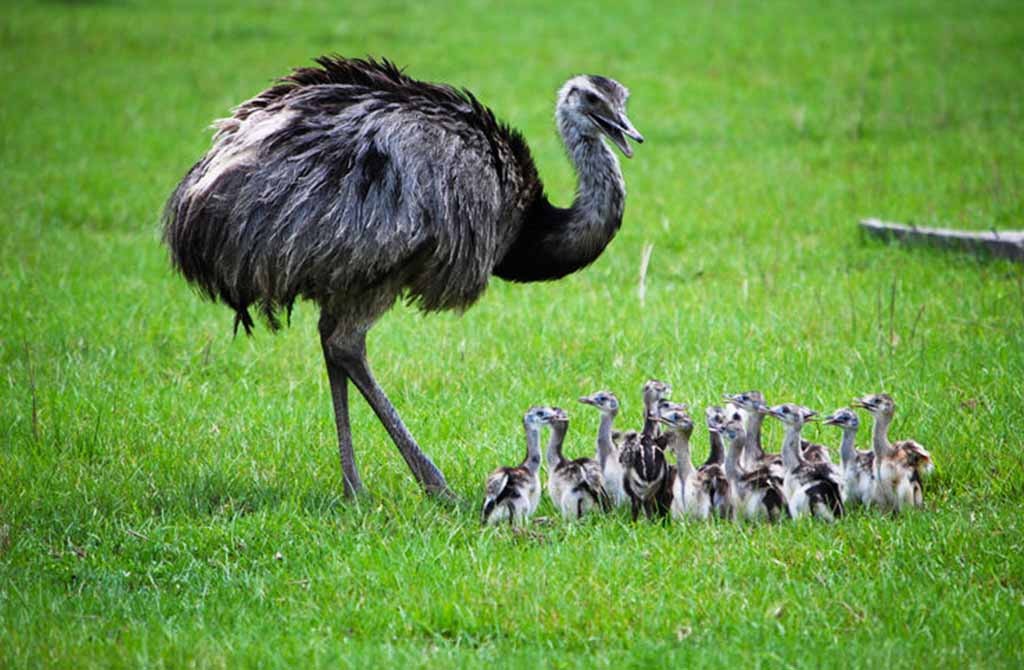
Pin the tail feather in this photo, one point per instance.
(596, 493)
(485, 513)
(775, 503)
(827, 494)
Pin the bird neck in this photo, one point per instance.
(848, 448)
(732, 467)
(791, 456)
(651, 428)
(717, 453)
(754, 421)
(554, 242)
(680, 444)
(532, 461)
(604, 437)
(555, 444)
(880, 435)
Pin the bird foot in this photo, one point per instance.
(445, 496)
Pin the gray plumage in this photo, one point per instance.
(811, 488)
(575, 486)
(858, 465)
(353, 185)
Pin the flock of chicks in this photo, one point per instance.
(738, 479)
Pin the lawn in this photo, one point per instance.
(170, 495)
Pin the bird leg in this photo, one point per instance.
(349, 350)
(339, 396)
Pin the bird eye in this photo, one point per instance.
(591, 98)
(785, 410)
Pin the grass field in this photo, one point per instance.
(170, 496)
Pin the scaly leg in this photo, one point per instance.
(350, 350)
(339, 397)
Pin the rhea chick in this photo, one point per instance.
(811, 488)
(754, 456)
(654, 392)
(696, 492)
(575, 486)
(513, 493)
(899, 467)
(858, 466)
(607, 451)
(644, 473)
(756, 494)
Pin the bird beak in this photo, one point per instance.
(763, 409)
(587, 400)
(830, 420)
(859, 402)
(617, 130)
(811, 416)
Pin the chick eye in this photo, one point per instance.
(785, 410)
(591, 98)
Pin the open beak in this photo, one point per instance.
(859, 402)
(811, 416)
(618, 129)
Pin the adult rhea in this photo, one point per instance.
(351, 184)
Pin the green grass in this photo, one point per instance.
(152, 467)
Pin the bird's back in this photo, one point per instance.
(351, 184)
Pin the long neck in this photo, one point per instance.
(532, 461)
(555, 444)
(848, 448)
(791, 456)
(732, 468)
(880, 435)
(554, 242)
(604, 437)
(650, 422)
(680, 444)
(717, 453)
(754, 421)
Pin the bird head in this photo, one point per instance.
(731, 428)
(674, 416)
(844, 417)
(879, 404)
(715, 417)
(792, 414)
(750, 401)
(596, 105)
(536, 417)
(654, 392)
(602, 400)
